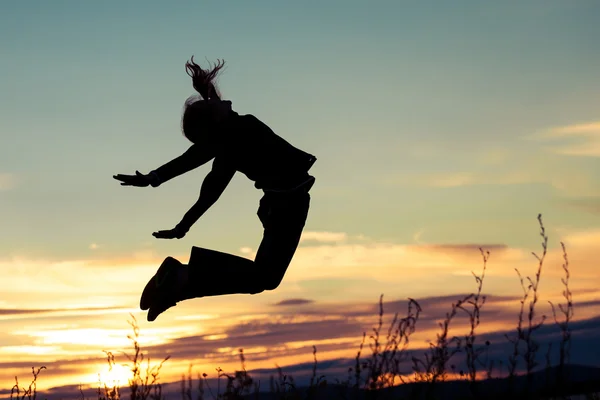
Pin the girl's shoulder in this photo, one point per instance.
(245, 124)
(251, 122)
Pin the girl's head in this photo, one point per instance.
(203, 111)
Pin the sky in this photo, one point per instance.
(439, 128)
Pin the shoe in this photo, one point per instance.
(166, 271)
(162, 304)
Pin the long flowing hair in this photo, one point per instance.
(199, 111)
(204, 80)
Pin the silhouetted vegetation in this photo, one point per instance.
(380, 373)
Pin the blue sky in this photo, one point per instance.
(433, 124)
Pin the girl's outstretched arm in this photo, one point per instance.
(213, 186)
(194, 157)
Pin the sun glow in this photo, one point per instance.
(116, 375)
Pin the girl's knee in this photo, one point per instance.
(272, 285)
(271, 282)
(270, 274)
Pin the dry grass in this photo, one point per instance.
(389, 348)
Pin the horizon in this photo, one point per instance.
(437, 131)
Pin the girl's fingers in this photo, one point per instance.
(163, 235)
(123, 177)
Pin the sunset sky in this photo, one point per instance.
(438, 127)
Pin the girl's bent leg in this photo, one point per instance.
(213, 273)
(283, 225)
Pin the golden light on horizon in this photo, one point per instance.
(110, 376)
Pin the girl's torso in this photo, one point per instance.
(252, 148)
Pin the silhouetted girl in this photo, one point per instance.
(235, 143)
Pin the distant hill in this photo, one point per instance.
(583, 379)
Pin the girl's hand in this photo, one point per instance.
(169, 234)
(138, 180)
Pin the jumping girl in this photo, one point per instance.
(235, 143)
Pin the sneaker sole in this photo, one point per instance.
(152, 286)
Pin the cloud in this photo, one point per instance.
(465, 247)
(7, 181)
(567, 180)
(6, 313)
(319, 270)
(517, 174)
(577, 139)
(589, 204)
(336, 329)
(452, 180)
(323, 237)
(285, 336)
(521, 164)
(293, 302)
(586, 129)
(343, 281)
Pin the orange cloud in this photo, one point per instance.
(582, 139)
